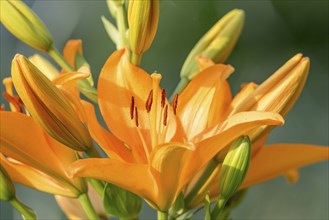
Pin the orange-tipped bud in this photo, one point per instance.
(48, 106)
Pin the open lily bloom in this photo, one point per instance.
(277, 94)
(34, 159)
(156, 148)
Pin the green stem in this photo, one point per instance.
(121, 23)
(84, 87)
(162, 215)
(98, 185)
(57, 56)
(88, 207)
(180, 87)
(217, 209)
(201, 181)
(136, 59)
(25, 211)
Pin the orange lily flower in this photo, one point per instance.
(156, 148)
(277, 94)
(34, 159)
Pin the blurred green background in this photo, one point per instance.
(274, 31)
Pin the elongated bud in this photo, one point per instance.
(278, 93)
(121, 203)
(216, 44)
(48, 106)
(44, 66)
(22, 22)
(234, 167)
(143, 19)
(7, 189)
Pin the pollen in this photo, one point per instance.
(149, 101)
(174, 103)
(165, 115)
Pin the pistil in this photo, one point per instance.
(155, 85)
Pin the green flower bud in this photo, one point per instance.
(234, 167)
(7, 189)
(22, 22)
(143, 17)
(216, 44)
(121, 203)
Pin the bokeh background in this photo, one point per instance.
(274, 31)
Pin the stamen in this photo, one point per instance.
(136, 117)
(163, 98)
(165, 115)
(149, 101)
(2, 107)
(132, 106)
(174, 103)
(155, 86)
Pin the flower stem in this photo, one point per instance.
(25, 211)
(98, 185)
(57, 56)
(202, 180)
(136, 59)
(217, 209)
(84, 87)
(162, 215)
(180, 87)
(121, 23)
(88, 207)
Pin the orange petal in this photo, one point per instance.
(136, 178)
(119, 81)
(24, 140)
(71, 48)
(235, 126)
(277, 159)
(167, 163)
(205, 100)
(33, 178)
(245, 91)
(112, 146)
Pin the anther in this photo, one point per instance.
(174, 103)
(165, 115)
(132, 106)
(163, 98)
(148, 104)
(136, 117)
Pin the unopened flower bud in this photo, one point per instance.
(48, 106)
(22, 22)
(143, 19)
(121, 203)
(216, 44)
(234, 167)
(44, 66)
(7, 189)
